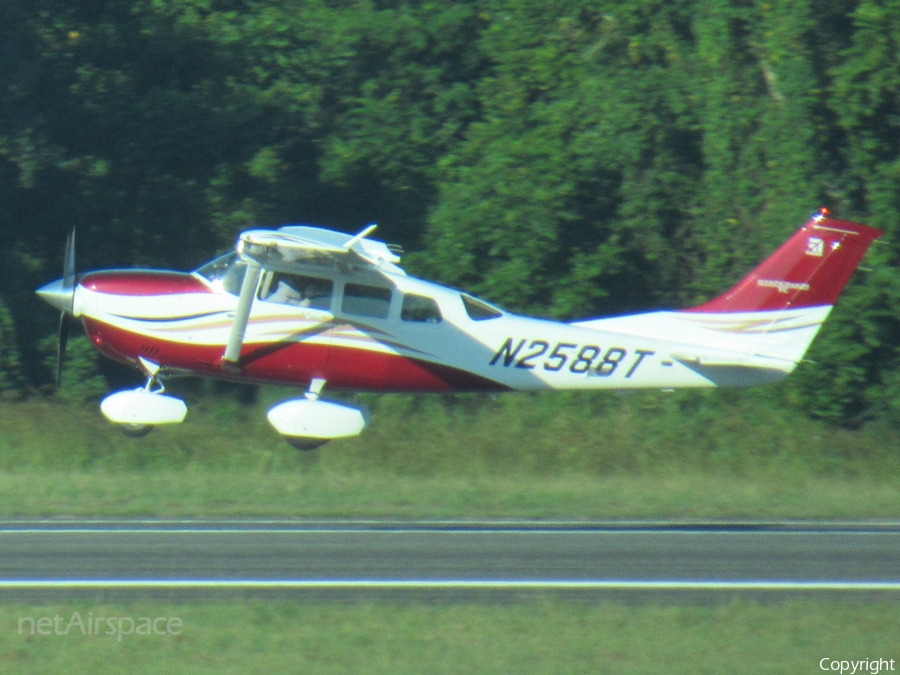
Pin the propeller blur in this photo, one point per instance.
(61, 294)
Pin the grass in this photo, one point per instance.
(235, 493)
(540, 637)
(686, 456)
(692, 455)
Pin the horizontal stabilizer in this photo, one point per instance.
(733, 360)
(736, 370)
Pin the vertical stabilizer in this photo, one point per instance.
(811, 269)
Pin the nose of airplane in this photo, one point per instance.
(58, 294)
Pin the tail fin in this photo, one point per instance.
(759, 330)
(811, 269)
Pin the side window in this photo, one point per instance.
(297, 290)
(373, 301)
(420, 309)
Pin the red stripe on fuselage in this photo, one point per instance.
(142, 282)
(292, 363)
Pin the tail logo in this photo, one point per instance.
(815, 246)
(783, 286)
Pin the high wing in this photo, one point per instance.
(302, 243)
(286, 246)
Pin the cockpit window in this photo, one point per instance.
(479, 310)
(298, 290)
(225, 273)
(419, 308)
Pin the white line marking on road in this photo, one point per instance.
(437, 584)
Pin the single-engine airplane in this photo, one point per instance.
(316, 308)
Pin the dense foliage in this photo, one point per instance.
(568, 157)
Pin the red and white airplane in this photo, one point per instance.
(319, 309)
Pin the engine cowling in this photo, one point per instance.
(307, 424)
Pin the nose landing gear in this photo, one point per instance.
(138, 411)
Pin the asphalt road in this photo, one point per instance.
(444, 561)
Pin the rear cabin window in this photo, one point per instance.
(297, 290)
(478, 310)
(420, 309)
(373, 301)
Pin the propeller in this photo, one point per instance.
(65, 317)
(61, 294)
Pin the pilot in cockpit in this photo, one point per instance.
(300, 291)
(285, 292)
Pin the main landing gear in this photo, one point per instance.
(309, 422)
(306, 423)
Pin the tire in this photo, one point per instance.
(135, 430)
(304, 443)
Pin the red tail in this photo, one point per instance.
(811, 269)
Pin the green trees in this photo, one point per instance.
(565, 157)
(11, 374)
(570, 194)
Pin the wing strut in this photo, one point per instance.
(351, 242)
(230, 361)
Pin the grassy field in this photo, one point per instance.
(686, 456)
(541, 637)
(234, 493)
(692, 455)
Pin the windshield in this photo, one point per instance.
(225, 273)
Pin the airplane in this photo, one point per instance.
(316, 308)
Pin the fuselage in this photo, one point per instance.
(368, 330)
